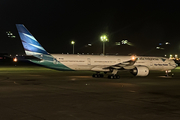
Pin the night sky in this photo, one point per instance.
(54, 23)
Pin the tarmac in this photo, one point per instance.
(36, 93)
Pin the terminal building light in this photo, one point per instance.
(167, 43)
(10, 34)
(118, 43)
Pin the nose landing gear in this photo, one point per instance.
(167, 73)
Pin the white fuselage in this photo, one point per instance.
(93, 62)
(88, 62)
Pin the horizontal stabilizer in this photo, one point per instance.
(25, 58)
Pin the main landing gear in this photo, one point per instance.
(98, 75)
(114, 75)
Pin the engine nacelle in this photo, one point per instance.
(140, 71)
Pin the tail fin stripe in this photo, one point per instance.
(30, 36)
(39, 47)
(33, 48)
(27, 39)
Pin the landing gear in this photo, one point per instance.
(98, 75)
(167, 73)
(113, 76)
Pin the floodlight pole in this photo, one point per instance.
(73, 48)
(103, 47)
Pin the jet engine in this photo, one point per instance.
(140, 71)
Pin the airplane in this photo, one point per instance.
(137, 65)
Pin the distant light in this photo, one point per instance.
(157, 47)
(165, 55)
(15, 59)
(89, 44)
(10, 34)
(118, 43)
(124, 41)
(72, 42)
(160, 43)
(167, 43)
(13, 36)
(170, 56)
(104, 38)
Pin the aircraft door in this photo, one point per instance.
(88, 61)
(151, 65)
(55, 61)
(119, 60)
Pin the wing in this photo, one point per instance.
(120, 66)
(124, 65)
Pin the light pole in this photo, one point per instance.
(72, 42)
(104, 39)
